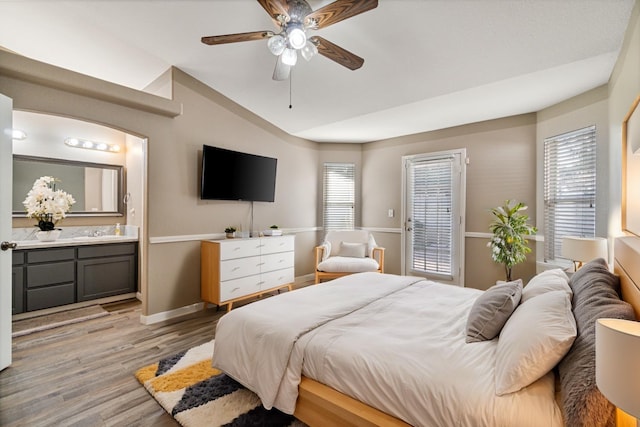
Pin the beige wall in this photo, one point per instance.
(501, 166)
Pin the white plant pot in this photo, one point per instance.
(48, 236)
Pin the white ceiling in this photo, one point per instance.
(429, 64)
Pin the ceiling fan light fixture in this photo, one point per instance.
(296, 36)
(289, 57)
(309, 51)
(276, 44)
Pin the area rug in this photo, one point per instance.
(195, 394)
(55, 320)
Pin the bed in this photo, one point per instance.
(287, 348)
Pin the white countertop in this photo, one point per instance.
(74, 241)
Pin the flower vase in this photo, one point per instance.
(49, 235)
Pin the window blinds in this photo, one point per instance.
(339, 196)
(569, 188)
(432, 222)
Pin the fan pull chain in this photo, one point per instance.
(290, 79)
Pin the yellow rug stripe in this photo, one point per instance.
(184, 377)
(146, 373)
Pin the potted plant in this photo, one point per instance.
(508, 244)
(48, 205)
(231, 232)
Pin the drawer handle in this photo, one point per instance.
(262, 263)
(236, 269)
(260, 283)
(235, 289)
(236, 249)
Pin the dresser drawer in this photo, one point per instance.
(237, 288)
(51, 296)
(277, 278)
(51, 274)
(277, 244)
(230, 249)
(241, 267)
(277, 261)
(48, 255)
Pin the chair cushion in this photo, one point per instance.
(339, 264)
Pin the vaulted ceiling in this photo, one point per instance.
(429, 64)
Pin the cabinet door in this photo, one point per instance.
(17, 283)
(103, 277)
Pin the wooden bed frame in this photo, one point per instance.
(320, 405)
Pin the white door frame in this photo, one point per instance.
(459, 243)
(6, 177)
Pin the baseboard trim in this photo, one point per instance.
(194, 308)
(171, 314)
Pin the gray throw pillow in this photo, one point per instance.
(595, 295)
(353, 250)
(491, 311)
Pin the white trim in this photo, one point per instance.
(218, 236)
(382, 230)
(171, 314)
(476, 234)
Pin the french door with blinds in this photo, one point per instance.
(433, 212)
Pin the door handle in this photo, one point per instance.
(5, 246)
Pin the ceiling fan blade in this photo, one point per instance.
(338, 11)
(240, 37)
(337, 54)
(275, 8)
(282, 70)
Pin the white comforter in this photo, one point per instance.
(395, 343)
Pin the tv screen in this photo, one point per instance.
(232, 175)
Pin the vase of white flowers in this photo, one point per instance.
(48, 205)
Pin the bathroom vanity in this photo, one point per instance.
(67, 271)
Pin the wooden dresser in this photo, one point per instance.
(235, 269)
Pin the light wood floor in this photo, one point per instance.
(82, 374)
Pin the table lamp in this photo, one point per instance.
(584, 249)
(618, 363)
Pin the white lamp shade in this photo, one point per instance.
(618, 363)
(584, 249)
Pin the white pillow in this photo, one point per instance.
(352, 250)
(549, 280)
(535, 338)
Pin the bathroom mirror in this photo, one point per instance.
(97, 188)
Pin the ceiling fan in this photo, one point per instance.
(294, 18)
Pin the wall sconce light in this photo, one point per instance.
(91, 145)
(18, 135)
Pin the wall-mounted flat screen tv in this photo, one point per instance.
(232, 175)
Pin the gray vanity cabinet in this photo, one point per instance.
(106, 270)
(17, 281)
(50, 277)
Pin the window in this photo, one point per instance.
(339, 196)
(434, 200)
(569, 188)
